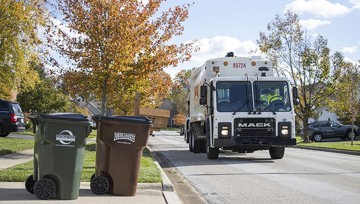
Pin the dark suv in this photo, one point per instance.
(319, 130)
(11, 118)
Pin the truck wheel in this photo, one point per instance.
(196, 145)
(100, 185)
(211, 153)
(277, 152)
(203, 146)
(187, 137)
(190, 142)
(29, 184)
(317, 137)
(45, 189)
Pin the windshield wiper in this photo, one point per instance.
(273, 111)
(237, 110)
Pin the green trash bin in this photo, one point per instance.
(119, 145)
(59, 149)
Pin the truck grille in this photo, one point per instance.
(254, 127)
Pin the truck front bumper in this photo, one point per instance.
(254, 142)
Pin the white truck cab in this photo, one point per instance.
(236, 103)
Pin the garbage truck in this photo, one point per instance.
(238, 104)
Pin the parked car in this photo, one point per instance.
(319, 130)
(11, 118)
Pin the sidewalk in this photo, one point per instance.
(15, 192)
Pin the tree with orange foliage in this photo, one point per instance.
(179, 119)
(118, 45)
(152, 89)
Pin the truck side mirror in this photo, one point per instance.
(295, 96)
(203, 95)
(203, 91)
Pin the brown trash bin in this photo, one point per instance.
(119, 145)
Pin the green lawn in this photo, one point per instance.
(149, 172)
(92, 134)
(171, 129)
(338, 144)
(10, 145)
(26, 132)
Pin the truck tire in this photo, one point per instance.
(211, 153)
(277, 152)
(186, 136)
(190, 141)
(195, 144)
(203, 146)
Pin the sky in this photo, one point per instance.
(234, 25)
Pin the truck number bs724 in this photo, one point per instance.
(239, 65)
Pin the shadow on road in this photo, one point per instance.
(186, 158)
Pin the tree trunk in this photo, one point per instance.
(352, 130)
(104, 97)
(306, 130)
(137, 103)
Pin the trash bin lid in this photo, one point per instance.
(65, 116)
(127, 119)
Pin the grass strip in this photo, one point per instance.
(149, 172)
(340, 145)
(10, 145)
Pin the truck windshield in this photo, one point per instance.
(233, 96)
(272, 96)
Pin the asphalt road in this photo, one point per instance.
(302, 176)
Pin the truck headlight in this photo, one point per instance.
(224, 130)
(284, 129)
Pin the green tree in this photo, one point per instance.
(306, 60)
(179, 92)
(345, 100)
(19, 21)
(119, 44)
(44, 98)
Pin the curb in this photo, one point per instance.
(168, 189)
(357, 153)
(166, 183)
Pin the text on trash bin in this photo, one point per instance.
(65, 137)
(124, 137)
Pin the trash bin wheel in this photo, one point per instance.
(29, 184)
(92, 177)
(99, 185)
(45, 189)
